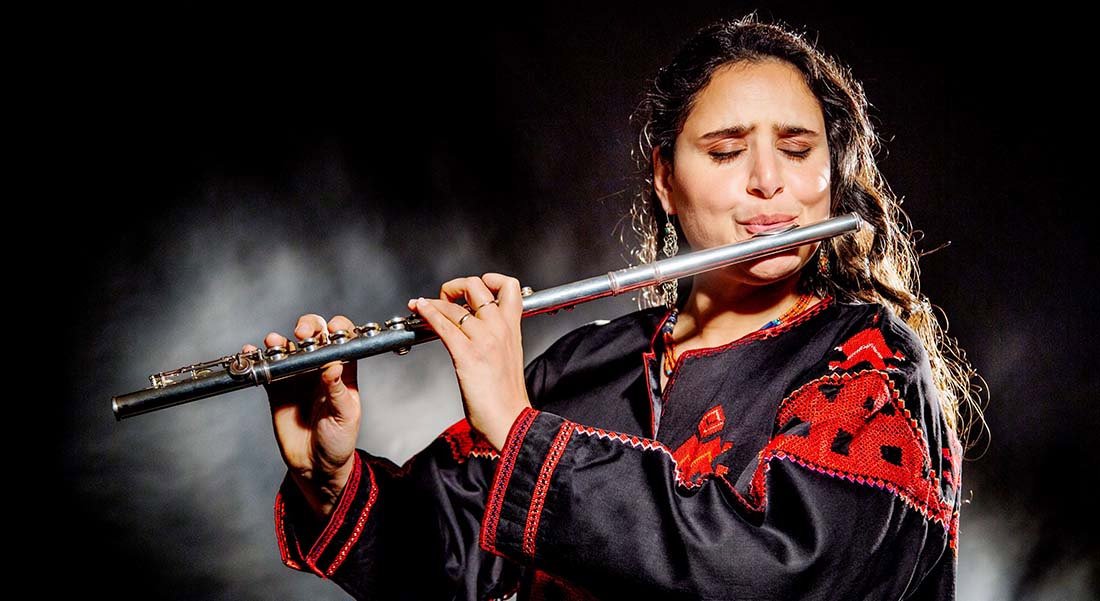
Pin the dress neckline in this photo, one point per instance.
(763, 333)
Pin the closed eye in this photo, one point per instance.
(722, 157)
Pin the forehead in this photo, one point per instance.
(760, 94)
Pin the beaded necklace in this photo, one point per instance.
(800, 305)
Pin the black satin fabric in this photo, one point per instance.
(594, 497)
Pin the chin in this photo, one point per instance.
(774, 269)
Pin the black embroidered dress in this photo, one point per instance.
(810, 460)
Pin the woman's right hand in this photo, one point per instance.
(316, 418)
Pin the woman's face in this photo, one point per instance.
(752, 156)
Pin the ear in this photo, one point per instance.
(663, 181)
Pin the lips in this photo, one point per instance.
(764, 223)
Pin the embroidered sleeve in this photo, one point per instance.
(408, 531)
(402, 532)
(846, 501)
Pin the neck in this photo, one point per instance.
(717, 312)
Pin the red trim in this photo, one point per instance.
(542, 486)
(795, 320)
(638, 442)
(505, 466)
(647, 358)
(358, 525)
(337, 518)
(657, 332)
(280, 532)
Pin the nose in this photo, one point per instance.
(765, 180)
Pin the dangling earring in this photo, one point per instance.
(671, 247)
(822, 261)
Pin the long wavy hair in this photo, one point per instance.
(877, 265)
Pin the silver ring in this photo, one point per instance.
(468, 315)
(492, 302)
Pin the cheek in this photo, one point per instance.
(814, 192)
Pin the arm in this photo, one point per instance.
(409, 531)
(844, 502)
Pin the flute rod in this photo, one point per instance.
(399, 334)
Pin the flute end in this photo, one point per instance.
(862, 225)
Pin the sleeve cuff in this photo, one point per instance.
(531, 455)
(296, 527)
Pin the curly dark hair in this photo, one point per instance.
(877, 264)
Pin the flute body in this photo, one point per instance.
(399, 334)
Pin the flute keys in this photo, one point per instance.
(526, 291)
(240, 366)
(309, 344)
(275, 353)
(339, 337)
(369, 329)
(396, 322)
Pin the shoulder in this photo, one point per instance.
(875, 415)
(876, 338)
(888, 348)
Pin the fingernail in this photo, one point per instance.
(421, 302)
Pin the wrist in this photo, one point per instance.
(323, 491)
(498, 433)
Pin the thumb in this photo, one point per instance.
(344, 405)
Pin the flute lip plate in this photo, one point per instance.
(775, 231)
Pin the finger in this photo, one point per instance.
(456, 314)
(309, 326)
(452, 336)
(340, 323)
(507, 291)
(471, 288)
(351, 371)
(274, 339)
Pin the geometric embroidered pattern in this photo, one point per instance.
(466, 442)
(855, 426)
(696, 456)
(866, 346)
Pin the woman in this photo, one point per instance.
(784, 431)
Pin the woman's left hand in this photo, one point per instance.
(487, 349)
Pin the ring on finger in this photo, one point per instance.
(492, 302)
(468, 315)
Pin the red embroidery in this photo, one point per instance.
(542, 486)
(713, 421)
(466, 442)
(954, 454)
(855, 426)
(868, 345)
(505, 466)
(337, 518)
(280, 532)
(359, 525)
(696, 457)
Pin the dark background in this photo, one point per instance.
(229, 170)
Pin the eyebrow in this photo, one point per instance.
(736, 131)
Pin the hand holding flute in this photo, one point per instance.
(316, 418)
(316, 415)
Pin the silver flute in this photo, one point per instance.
(399, 334)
